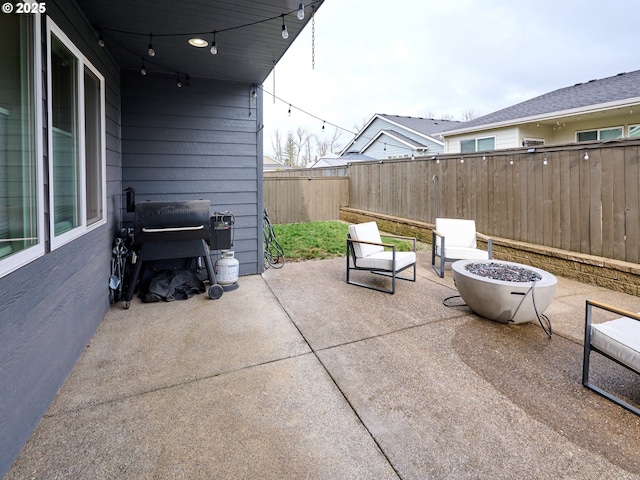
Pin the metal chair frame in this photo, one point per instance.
(439, 236)
(588, 348)
(393, 273)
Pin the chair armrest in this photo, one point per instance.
(353, 240)
(489, 241)
(612, 309)
(588, 319)
(437, 233)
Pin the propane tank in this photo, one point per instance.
(227, 268)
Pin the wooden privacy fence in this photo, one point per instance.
(305, 199)
(587, 205)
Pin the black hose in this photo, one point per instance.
(273, 251)
(444, 302)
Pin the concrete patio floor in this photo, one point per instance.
(298, 375)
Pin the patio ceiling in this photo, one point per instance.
(248, 34)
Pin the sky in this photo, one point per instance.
(435, 58)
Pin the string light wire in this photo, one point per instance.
(210, 32)
(326, 122)
(102, 29)
(291, 106)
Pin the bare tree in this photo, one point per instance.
(433, 116)
(276, 145)
(357, 127)
(322, 147)
(303, 140)
(334, 146)
(469, 115)
(331, 145)
(302, 147)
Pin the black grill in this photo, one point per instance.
(174, 230)
(170, 221)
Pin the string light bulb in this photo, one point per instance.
(178, 82)
(214, 47)
(143, 70)
(544, 162)
(300, 13)
(151, 52)
(101, 41)
(586, 155)
(285, 32)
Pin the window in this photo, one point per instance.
(485, 144)
(21, 186)
(601, 134)
(76, 146)
(467, 146)
(634, 131)
(477, 145)
(93, 114)
(65, 159)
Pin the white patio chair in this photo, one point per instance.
(618, 340)
(455, 239)
(365, 251)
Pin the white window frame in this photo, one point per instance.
(82, 62)
(19, 259)
(493, 137)
(475, 143)
(633, 127)
(598, 130)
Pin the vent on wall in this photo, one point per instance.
(532, 142)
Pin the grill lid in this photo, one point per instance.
(160, 221)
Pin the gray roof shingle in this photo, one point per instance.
(404, 138)
(426, 126)
(594, 92)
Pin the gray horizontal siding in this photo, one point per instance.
(195, 142)
(167, 160)
(50, 308)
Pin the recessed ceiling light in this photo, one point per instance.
(198, 42)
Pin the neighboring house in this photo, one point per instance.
(597, 110)
(86, 111)
(342, 160)
(393, 136)
(270, 164)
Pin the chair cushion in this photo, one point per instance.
(457, 232)
(461, 253)
(384, 260)
(368, 232)
(620, 339)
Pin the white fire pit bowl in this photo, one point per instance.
(500, 300)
